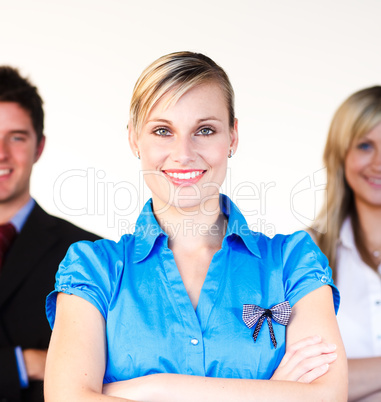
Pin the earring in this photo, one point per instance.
(231, 153)
(137, 154)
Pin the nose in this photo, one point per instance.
(183, 150)
(3, 149)
(376, 162)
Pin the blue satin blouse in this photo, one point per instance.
(151, 325)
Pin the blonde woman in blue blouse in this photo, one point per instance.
(193, 305)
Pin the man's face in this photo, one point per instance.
(18, 152)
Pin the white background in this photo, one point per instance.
(291, 63)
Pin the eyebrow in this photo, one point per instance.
(211, 118)
(24, 132)
(365, 138)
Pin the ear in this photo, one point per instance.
(234, 136)
(39, 149)
(132, 138)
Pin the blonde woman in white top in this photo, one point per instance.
(348, 231)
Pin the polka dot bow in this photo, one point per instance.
(252, 314)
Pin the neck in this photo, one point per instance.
(8, 209)
(192, 228)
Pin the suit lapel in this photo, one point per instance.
(35, 239)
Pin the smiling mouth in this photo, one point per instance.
(185, 175)
(375, 181)
(4, 172)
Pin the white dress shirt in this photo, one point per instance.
(359, 314)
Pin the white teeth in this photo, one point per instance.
(375, 181)
(4, 171)
(184, 176)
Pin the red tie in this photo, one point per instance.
(7, 235)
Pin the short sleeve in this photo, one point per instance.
(89, 271)
(305, 268)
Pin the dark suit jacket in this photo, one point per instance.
(28, 275)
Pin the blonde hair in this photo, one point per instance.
(177, 73)
(358, 115)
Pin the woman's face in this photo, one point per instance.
(363, 168)
(184, 148)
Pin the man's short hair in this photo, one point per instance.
(15, 88)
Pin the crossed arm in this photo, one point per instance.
(312, 368)
(364, 379)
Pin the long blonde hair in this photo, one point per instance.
(358, 115)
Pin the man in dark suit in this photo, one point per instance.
(36, 243)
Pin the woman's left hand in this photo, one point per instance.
(305, 360)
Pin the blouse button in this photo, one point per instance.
(324, 279)
(194, 341)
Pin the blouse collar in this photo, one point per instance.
(346, 237)
(148, 230)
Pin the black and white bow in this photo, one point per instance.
(252, 314)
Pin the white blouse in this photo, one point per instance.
(359, 314)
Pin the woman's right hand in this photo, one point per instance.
(305, 360)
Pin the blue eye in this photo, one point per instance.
(364, 146)
(205, 131)
(18, 138)
(162, 132)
